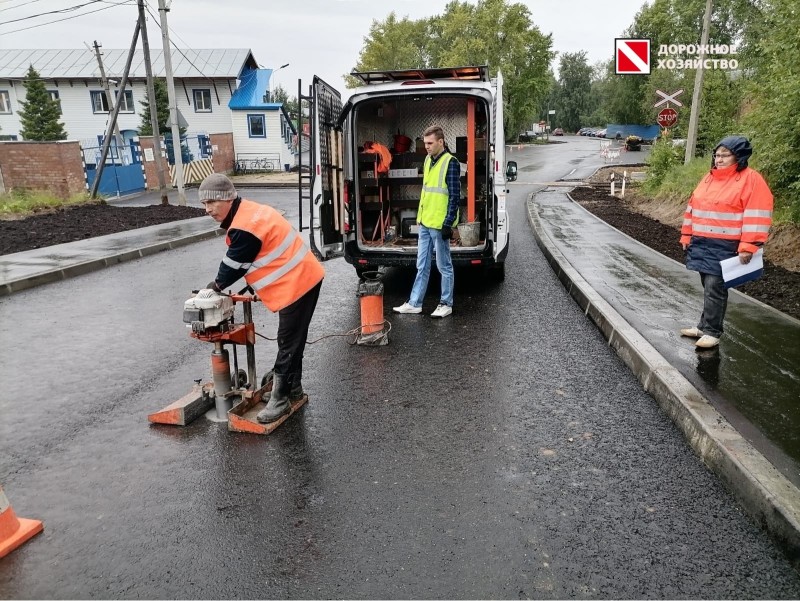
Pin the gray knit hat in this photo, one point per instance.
(216, 187)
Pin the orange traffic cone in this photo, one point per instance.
(13, 530)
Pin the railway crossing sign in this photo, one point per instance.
(667, 98)
(667, 117)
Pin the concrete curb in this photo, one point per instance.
(766, 494)
(56, 275)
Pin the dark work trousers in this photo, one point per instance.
(293, 322)
(715, 302)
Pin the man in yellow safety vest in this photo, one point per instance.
(438, 211)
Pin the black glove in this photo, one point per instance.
(213, 286)
(447, 232)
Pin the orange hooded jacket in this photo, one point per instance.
(730, 205)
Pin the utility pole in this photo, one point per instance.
(151, 98)
(177, 150)
(691, 137)
(109, 98)
(113, 119)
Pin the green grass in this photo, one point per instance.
(679, 182)
(20, 202)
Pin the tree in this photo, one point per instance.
(394, 44)
(162, 108)
(279, 95)
(491, 32)
(772, 117)
(574, 88)
(40, 113)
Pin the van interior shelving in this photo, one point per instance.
(387, 200)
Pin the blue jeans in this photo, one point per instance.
(429, 239)
(715, 301)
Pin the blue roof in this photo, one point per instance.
(252, 91)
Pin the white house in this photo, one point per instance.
(217, 90)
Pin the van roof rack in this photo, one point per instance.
(475, 73)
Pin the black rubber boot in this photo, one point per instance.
(278, 404)
(296, 384)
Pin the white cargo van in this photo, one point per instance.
(365, 209)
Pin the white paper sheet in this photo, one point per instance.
(734, 272)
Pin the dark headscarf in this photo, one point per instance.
(739, 146)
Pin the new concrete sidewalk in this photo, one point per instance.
(737, 404)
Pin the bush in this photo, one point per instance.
(664, 157)
(679, 182)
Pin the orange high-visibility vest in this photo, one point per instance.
(284, 269)
(730, 205)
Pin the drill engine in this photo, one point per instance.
(208, 311)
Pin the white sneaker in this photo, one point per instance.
(407, 308)
(692, 332)
(442, 311)
(707, 342)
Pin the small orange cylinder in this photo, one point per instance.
(370, 291)
(371, 314)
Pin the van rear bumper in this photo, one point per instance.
(375, 259)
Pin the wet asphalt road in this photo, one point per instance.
(504, 452)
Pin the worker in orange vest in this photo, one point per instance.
(729, 214)
(268, 252)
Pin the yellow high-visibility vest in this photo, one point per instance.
(435, 196)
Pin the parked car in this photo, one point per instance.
(633, 143)
(600, 133)
(558, 131)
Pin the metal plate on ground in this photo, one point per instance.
(242, 417)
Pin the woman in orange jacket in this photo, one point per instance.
(729, 214)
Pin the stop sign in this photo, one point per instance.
(667, 117)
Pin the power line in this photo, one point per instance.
(157, 22)
(52, 12)
(18, 5)
(113, 4)
(172, 31)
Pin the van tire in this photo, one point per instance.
(497, 272)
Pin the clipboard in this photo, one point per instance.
(736, 273)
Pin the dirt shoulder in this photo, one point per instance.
(84, 221)
(657, 225)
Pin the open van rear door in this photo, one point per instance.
(328, 212)
(499, 175)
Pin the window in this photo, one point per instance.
(202, 101)
(125, 101)
(5, 102)
(256, 126)
(99, 102)
(54, 95)
(7, 138)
